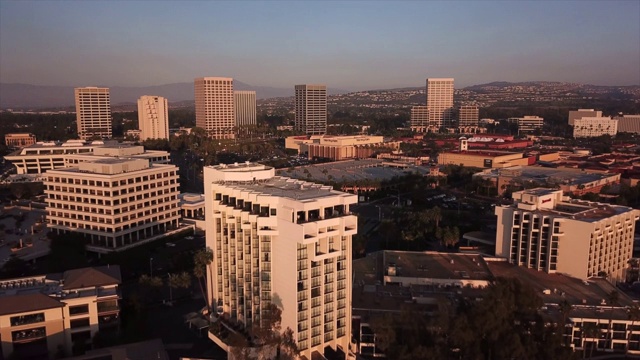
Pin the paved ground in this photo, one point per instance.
(31, 230)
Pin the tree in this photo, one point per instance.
(201, 261)
(612, 298)
(590, 330)
(14, 267)
(633, 313)
(384, 329)
(178, 281)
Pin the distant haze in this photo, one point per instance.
(351, 45)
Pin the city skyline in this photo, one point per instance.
(361, 45)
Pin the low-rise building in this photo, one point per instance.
(546, 231)
(420, 119)
(594, 127)
(528, 124)
(40, 314)
(19, 140)
(482, 159)
(115, 202)
(468, 115)
(628, 123)
(580, 113)
(575, 181)
(340, 147)
(43, 156)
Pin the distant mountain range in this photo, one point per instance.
(25, 96)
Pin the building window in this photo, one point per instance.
(79, 309)
(78, 323)
(27, 319)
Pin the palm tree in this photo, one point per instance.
(612, 299)
(565, 308)
(589, 330)
(182, 280)
(201, 261)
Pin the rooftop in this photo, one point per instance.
(288, 188)
(16, 304)
(437, 265)
(565, 176)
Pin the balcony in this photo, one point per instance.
(28, 335)
(108, 307)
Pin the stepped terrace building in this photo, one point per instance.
(545, 231)
(114, 202)
(281, 241)
(40, 314)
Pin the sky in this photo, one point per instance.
(354, 45)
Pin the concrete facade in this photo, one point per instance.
(19, 140)
(311, 109)
(280, 241)
(468, 115)
(545, 231)
(482, 159)
(594, 127)
(215, 112)
(628, 123)
(114, 202)
(580, 113)
(153, 117)
(420, 119)
(440, 101)
(93, 112)
(245, 108)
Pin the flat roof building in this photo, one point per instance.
(468, 115)
(594, 127)
(580, 113)
(215, 112)
(40, 314)
(93, 112)
(280, 241)
(420, 119)
(482, 159)
(114, 202)
(528, 124)
(153, 117)
(245, 108)
(628, 123)
(19, 140)
(311, 109)
(545, 231)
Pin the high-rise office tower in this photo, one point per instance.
(440, 101)
(215, 112)
(468, 115)
(311, 109)
(93, 112)
(284, 242)
(245, 108)
(153, 117)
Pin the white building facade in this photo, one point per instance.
(153, 117)
(440, 101)
(114, 202)
(281, 241)
(468, 115)
(580, 113)
(545, 231)
(628, 123)
(594, 127)
(420, 119)
(93, 112)
(528, 124)
(215, 112)
(311, 109)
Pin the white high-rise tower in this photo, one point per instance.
(311, 109)
(245, 108)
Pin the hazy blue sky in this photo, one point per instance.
(350, 45)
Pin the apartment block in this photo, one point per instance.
(580, 113)
(153, 117)
(546, 231)
(594, 127)
(440, 102)
(281, 241)
(311, 109)
(93, 112)
(245, 108)
(215, 111)
(114, 202)
(19, 140)
(40, 314)
(468, 115)
(420, 119)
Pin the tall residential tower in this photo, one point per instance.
(215, 112)
(284, 242)
(440, 101)
(153, 117)
(93, 112)
(311, 109)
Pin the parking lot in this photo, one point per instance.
(22, 233)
